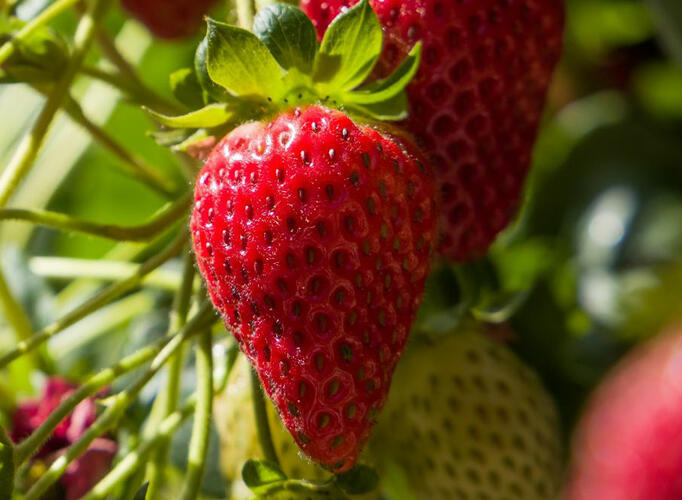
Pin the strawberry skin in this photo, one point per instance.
(476, 102)
(628, 445)
(170, 19)
(313, 234)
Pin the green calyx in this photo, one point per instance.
(241, 76)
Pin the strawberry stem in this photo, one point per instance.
(29, 146)
(103, 298)
(171, 395)
(162, 220)
(246, 10)
(8, 48)
(262, 426)
(89, 388)
(198, 444)
(119, 403)
(136, 458)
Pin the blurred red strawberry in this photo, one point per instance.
(170, 19)
(89, 468)
(629, 443)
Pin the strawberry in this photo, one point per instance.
(466, 419)
(170, 19)
(476, 102)
(313, 233)
(628, 444)
(233, 412)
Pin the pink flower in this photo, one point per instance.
(82, 474)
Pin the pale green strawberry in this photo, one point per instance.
(466, 419)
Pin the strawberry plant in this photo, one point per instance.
(341, 250)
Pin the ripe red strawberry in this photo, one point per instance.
(629, 443)
(170, 19)
(476, 102)
(313, 234)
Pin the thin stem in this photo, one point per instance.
(134, 460)
(28, 148)
(198, 444)
(89, 388)
(104, 270)
(135, 165)
(261, 413)
(110, 293)
(134, 89)
(181, 304)
(111, 52)
(8, 48)
(118, 404)
(162, 220)
(246, 10)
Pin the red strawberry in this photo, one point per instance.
(170, 19)
(476, 102)
(629, 443)
(313, 234)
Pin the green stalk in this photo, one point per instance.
(108, 294)
(262, 425)
(246, 10)
(181, 305)
(169, 214)
(8, 48)
(104, 270)
(198, 444)
(134, 460)
(134, 89)
(89, 388)
(135, 165)
(118, 404)
(29, 146)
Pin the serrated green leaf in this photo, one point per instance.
(394, 109)
(387, 88)
(360, 479)
(242, 64)
(289, 35)
(667, 15)
(260, 475)
(350, 48)
(209, 116)
(186, 88)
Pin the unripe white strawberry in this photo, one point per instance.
(466, 419)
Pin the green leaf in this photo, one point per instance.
(667, 15)
(260, 475)
(209, 116)
(211, 90)
(289, 35)
(387, 88)
(186, 88)
(359, 480)
(350, 49)
(394, 109)
(6, 466)
(241, 63)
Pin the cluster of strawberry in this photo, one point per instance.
(314, 231)
(314, 224)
